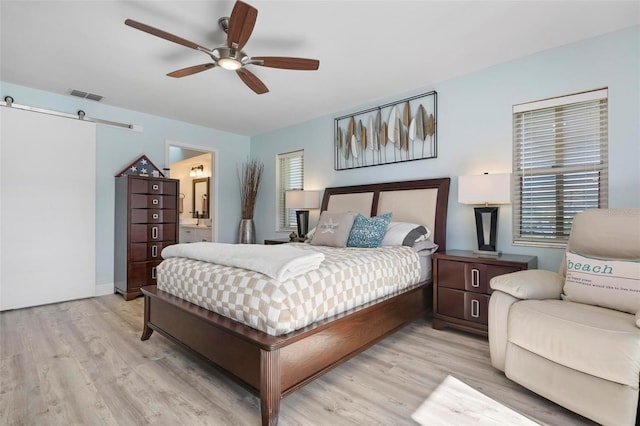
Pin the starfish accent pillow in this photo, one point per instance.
(333, 229)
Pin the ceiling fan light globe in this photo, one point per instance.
(229, 64)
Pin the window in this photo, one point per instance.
(560, 165)
(290, 176)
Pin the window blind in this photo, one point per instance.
(291, 176)
(560, 168)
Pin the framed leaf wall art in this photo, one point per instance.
(400, 131)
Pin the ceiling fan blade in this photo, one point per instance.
(191, 70)
(163, 34)
(287, 63)
(252, 81)
(241, 23)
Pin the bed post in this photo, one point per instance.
(146, 331)
(270, 392)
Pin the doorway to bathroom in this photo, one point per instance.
(195, 168)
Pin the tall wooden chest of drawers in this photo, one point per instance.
(461, 289)
(146, 221)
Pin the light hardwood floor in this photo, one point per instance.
(82, 363)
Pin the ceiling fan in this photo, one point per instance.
(231, 57)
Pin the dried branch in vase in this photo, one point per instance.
(250, 177)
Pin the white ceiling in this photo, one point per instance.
(368, 50)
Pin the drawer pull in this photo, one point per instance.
(475, 308)
(155, 186)
(154, 232)
(155, 216)
(154, 251)
(153, 273)
(155, 202)
(475, 278)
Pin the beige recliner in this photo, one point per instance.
(583, 357)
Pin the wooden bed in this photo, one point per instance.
(272, 367)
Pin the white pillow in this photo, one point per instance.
(613, 284)
(426, 246)
(638, 319)
(404, 234)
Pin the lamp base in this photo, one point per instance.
(302, 217)
(486, 228)
(487, 253)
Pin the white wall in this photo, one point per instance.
(475, 133)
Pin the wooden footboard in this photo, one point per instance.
(274, 366)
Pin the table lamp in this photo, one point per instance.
(485, 189)
(302, 201)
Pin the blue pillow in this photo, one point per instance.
(368, 232)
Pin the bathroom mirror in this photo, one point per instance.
(200, 207)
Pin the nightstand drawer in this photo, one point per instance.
(451, 302)
(464, 305)
(274, 242)
(469, 276)
(451, 274)
(476, 307)
(478, 275)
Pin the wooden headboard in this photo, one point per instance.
(417, 201)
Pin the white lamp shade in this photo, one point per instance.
(485, 189)
(302, 199)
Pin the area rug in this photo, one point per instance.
(455, 403)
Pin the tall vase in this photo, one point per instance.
(246, 232)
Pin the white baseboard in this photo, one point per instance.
(104, 289)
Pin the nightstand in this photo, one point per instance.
(284, 241)
(461, 289)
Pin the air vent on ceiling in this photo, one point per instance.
(81, 94)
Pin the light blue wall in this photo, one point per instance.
(475, 133)
(117, 148)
